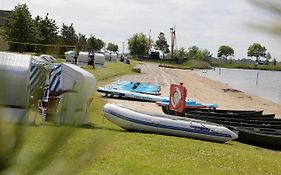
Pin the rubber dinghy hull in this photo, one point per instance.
(167, 124)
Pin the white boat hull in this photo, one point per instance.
(168, 125)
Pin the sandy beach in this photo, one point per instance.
(199, 88)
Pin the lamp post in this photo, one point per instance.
(173, 33)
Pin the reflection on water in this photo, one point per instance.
(265, 84)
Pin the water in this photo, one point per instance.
(265, 84)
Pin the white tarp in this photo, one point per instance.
(69, 56)
(84, 58)
(74, 106)
(14, 90)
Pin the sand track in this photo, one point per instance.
(199, 88)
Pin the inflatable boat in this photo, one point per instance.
(166, 124)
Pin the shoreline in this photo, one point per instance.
(199, 88)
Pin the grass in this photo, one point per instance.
(107, 149)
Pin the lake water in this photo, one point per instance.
(268, 84)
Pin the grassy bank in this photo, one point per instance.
(189, 64)
(105, 148)
(250, 66)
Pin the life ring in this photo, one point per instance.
(177, 98)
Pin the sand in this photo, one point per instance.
(199, 88)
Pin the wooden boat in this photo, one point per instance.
(167, 124)
(232, 115)
(229, 122)
(260, 132)
(266, 139)
(226, 111)
(217, 112)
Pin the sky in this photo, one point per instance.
(206, 24)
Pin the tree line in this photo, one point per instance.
(41, 34)
(254, 50)
(139, 44)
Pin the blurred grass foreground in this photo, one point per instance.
(68, 139)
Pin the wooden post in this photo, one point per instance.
(257, 79)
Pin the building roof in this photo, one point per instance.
(3, 15)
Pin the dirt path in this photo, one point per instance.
(198, 88)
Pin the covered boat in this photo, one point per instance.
(15, 70)
(48, 58)
(99, 58)
(69, 56)
(83, 58)
(74, 106)
(166, 124)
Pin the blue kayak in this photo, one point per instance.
(131, 95)
(135, 87)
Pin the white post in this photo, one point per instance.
(257, 79)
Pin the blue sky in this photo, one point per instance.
(207, 24)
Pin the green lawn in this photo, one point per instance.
(106, 149)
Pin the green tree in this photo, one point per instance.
(162, 44)
(19, 27)
(138, 44)
(256, 50)
(68, 35)
(181, 54)
(82, 42)
(192, 51)
(206, 54)
(112, 47)
(267, 58)
(225, 51)
(274, 62)
(94, 44)
(47, 29)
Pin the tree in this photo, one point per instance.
(68, 34)
(112, 47)
(267, 58)
(100, 44)
(192, 51)
(47, 29)
(256, 50)
(94, 44)
(181, 54)
(19, 27)
(274, 62)
(225, 51)
(206, 55)
(162, 44)
(82, 42)
(138, 44)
